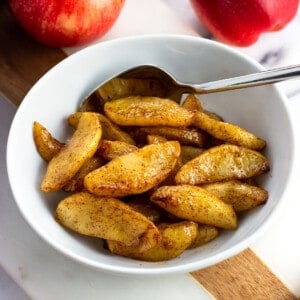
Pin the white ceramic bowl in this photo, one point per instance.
(262, 110)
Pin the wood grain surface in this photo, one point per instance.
(243, 276)
(23, 61)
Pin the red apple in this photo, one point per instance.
(63, 23)
(241, 22)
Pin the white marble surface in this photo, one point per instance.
(9, 289)
(42, 273)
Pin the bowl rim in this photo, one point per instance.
(188, 267)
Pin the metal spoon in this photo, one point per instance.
(239, 82)
(175, 88)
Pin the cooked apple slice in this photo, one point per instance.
(193, 203)
(46, 145)
(224, 162)
(240, 195)
(118, 88)
(147, 111)
(112, 149)
(110, 131)
(228, 132)
(185, 136)
(107, 218)
(205, 234)
(82, 146)
(175, 238)
(134, 173)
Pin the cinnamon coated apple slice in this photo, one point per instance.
(80, 148)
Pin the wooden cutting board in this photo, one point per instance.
(23, 61)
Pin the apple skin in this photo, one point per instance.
(241, 22)
(64, 23)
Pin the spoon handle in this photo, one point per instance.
(250, 80)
